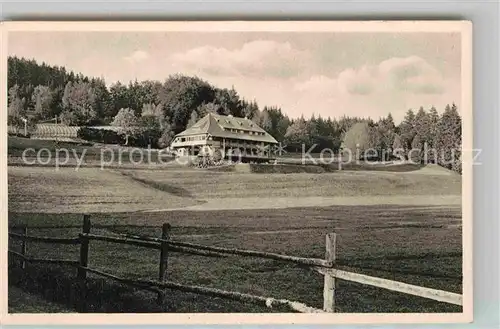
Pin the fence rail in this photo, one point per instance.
(131, 242)
(165, 246)
(44, 260)
(239, 252)
(30, 238)
(429, 293)
(212, 292)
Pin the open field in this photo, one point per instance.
(418, 245)
(37, 189)
(404, 226)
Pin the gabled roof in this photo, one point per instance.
(215, 125)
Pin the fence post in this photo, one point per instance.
(84, 260)
(24, 247)
(165, 235)
(329, 283)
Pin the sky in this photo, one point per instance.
(327, 74)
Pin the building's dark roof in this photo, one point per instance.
(215, 125)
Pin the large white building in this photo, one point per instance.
(234, 137)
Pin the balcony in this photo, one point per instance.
(196, 143)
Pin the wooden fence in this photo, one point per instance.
(165, 245)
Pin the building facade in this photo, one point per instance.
(231, 137)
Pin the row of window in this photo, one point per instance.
(244, 131)
(204, 137)
(190, 138)
(230, 142)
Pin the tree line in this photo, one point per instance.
(422, 137)
(152, 112)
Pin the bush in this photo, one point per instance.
(107, 136)
(19, 134)
(100, 135)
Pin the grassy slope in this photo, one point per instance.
(420, 245)
(86, 190)
(94, 190)
(343, 183)
(111, 155)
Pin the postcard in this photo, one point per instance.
(233, 172)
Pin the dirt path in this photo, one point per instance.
(290, 202)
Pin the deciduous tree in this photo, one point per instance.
(193, 119)
(126, 120)
(42, 99)
(297, 136)
(359, 139)
(79, 103)
(182, 94)
(16, 108)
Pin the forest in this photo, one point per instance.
(154, 111)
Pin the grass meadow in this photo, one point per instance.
(397, 225)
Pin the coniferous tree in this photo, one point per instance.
(407, 130)
(433, 123)
(423, 133)
(398, 151)
(416, 152)
(449, 138)
(250, 109)
(264, 119)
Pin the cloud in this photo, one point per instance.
(412, 74)
(137, 56)
(394, 85)
(255, 58)
(407, 75)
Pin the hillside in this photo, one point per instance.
(94, 190)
